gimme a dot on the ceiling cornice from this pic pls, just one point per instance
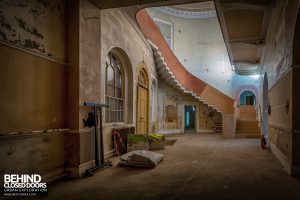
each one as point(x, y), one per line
point(187, 14)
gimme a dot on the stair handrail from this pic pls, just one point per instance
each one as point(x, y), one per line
point(258, 114)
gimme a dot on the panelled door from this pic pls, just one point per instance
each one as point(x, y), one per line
point(142, 103)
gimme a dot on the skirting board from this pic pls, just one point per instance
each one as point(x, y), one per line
point(80, 171)
point(53, 175)
point(281, 157)
point(292, 169)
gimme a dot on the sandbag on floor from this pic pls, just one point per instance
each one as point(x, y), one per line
point(141, 158)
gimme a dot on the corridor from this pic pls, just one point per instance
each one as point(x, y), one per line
point(79, 78)
point(196, 166)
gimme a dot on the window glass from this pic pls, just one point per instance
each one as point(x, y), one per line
point(114, 90)
point(166, 29)
point(110, 75)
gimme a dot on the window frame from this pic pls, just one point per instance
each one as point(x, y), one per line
point(155, 19)
point(108, 98)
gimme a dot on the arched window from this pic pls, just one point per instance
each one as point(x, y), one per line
point(114, 89)
point(247, 98)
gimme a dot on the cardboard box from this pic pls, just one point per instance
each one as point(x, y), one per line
point(157, 145)
point(137, 142)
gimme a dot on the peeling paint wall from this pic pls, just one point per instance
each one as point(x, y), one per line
point(205, 122)
point(277, 63)
point(211, 62)
point(32, 86)
point(171, 111)
point(199, 46)
point(119, 31)
point(101, 31)
point(277, 54)
point(37, 26)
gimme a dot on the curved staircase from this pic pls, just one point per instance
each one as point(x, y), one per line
point(165, 73)
point(175, 74)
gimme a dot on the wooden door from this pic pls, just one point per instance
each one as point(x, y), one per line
point(142, 104)
point(142, 110)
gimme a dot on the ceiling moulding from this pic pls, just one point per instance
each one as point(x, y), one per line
point(187, 14)
point(106, 4)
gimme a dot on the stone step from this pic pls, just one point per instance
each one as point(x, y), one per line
point(251, 132)
point(247, 125)
point(248, 136)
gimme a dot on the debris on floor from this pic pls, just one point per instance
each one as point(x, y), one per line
point(137, 142)
point(170, 141)
point(156, 141)
point(141, 158)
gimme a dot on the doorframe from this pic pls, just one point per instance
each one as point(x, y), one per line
point(187, 103)
point(142, 67)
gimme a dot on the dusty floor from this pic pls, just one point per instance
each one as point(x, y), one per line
point(197, 166)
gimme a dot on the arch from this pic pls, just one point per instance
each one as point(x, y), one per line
point(142, 100)
point(296, 43)
point(265, 107)
point(247, 97)
point(143, 78)
point(127, 81)
point(243, 88)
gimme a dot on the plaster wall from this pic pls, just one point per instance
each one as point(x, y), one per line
point(32, 88)
point(33, 154)
point(188, 80)
point(89, 73)
point(295, 113)
point(199, 46)
point(280, 119)
point(169, 98)
point(242, 83)
point(277, 54)
point(119, 31)
point(101, 31)
point(277, 62)
point(32, 92)
point(32, 60)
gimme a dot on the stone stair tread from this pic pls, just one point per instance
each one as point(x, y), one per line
point(253, 132)
point(247, 128)
point(247, 135)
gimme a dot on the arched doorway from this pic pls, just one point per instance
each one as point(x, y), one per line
point(142, 119)
point(265, 107)
point(247, 98)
